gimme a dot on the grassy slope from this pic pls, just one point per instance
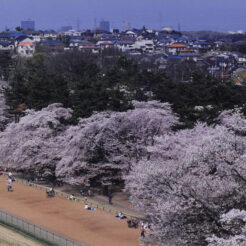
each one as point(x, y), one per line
point(9, 237)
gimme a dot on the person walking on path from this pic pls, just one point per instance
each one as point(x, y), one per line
point(110, 199)
point(142, 233)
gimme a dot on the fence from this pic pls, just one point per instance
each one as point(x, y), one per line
point(36, 231)
point(104, 207)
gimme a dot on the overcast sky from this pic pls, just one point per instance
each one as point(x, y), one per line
point(221, 15)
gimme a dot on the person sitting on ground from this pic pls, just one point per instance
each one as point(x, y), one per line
point(71, 197)
point(51, 192)
point(89, 208)
point(89, 192)
point(120, 215)
point(132, 223)
point(9, 186)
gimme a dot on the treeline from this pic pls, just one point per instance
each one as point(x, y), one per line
point(77, 81)
point(5, 63)
point(70, 78)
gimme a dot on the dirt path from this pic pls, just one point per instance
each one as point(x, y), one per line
point(11, 238)
point(67, 218)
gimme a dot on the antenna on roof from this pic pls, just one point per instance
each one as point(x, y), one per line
point(78, 24)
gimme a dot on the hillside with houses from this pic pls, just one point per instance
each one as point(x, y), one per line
point(220, 55)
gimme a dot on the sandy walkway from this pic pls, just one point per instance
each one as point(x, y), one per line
point(67, 218)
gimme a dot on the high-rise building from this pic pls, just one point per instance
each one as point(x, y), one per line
point(28, 25)
point(105, 25)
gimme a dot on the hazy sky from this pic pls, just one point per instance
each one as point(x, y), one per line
point(221, 15)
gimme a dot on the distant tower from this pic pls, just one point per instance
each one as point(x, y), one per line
point(28, 24)
point(78, 24)
point(105, 25)
point(160, 20)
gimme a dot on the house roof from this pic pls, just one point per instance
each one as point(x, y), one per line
point(26, 43)
point(189, 54)
point(105, 43)
point(174, 57)
point(17, 34)
point(5, 43)
point(187, 51)
point(90, 47)
point(201, 42)
point(125, 42)
point(177, 46)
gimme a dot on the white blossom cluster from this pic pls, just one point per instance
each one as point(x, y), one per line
point(237, 240)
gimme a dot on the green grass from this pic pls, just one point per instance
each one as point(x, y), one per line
point(25, 234)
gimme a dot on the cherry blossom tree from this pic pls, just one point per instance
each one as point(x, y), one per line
point(31, 144)
point(190, 179)
point(106, 145)
point(184, 181)
point(99, 150)
point(234, 120)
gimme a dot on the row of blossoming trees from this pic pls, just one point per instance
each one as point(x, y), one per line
point(190, 183)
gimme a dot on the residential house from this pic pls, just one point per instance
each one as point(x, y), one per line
point(176, 48)
point(26, 48)
point(90, 49)
point(125, 46)
point(192, 56)
point(50, 35)
point(6, 45)
point(240, 58)
point(146, 46)
point(105, 44)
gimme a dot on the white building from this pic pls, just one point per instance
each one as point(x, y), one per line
point(146, 46)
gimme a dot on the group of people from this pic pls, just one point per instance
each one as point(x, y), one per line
point(132, 223)
point(145, 227)
point(85, 192)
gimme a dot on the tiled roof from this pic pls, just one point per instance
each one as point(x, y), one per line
point(26, 43)
point(177, 46)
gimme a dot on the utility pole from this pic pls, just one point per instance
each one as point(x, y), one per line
point(95, 23)
point(179, 27)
